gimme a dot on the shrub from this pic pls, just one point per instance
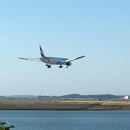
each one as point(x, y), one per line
point(5, 125)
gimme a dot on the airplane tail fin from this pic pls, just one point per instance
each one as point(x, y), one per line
point(41, 51)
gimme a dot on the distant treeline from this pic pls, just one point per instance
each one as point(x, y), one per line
point(2, 96)
point(101, 96)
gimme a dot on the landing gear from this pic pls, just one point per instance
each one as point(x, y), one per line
point(60, 66)
point(48, 66)
point(66, 66)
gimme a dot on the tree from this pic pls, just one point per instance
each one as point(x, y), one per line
point(5, 125)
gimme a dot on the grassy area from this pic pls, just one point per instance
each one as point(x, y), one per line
point(63, 104)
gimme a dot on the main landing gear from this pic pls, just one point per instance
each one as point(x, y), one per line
point(48, 66)
point(60, 66)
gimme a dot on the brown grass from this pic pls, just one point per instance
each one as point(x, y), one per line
point(63, 104)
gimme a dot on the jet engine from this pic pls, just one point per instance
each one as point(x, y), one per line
point(68, 63)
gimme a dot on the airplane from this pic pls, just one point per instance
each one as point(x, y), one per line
point(52, 60)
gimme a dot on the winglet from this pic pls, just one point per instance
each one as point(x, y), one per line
point(41, 51)
point(80, 57)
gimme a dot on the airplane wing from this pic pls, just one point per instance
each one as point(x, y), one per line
point(73, 59)
point(31, 59)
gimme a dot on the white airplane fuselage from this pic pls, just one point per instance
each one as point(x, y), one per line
point(54, 60)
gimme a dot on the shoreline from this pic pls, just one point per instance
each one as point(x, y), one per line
point(63, 104)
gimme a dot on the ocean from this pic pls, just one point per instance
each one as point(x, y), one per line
point(66, 120)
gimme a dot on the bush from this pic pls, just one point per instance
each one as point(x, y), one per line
point(5, 125)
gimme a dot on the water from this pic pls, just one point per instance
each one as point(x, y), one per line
point(67, 120)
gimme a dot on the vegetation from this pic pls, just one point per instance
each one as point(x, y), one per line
point(100, 96)
point(5, 125)
point(64, 104)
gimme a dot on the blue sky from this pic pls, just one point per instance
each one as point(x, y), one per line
point(65, 28)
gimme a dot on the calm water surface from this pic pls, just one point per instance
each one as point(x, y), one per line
point(67, 120)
